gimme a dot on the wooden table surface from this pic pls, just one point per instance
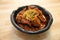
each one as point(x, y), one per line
point(9, 32)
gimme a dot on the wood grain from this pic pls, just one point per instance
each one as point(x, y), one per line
point(9, 32)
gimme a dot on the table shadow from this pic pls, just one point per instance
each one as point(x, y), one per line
point(24, 36)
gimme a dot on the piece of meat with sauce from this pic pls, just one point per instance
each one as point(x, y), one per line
point(41, 16)
point(18, 18)
point(22, 12)
point(36, 22)
point(25, 21)
point(22, 20)
point(31, 19)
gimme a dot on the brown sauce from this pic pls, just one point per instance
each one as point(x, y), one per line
point(31, 19)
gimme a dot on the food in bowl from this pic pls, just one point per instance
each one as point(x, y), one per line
point(31, 19)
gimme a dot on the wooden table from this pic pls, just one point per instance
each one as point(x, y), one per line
point(9, 32)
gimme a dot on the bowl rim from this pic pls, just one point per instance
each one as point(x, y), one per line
point(36, 32)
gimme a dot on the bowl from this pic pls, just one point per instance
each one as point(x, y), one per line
point(45, 12)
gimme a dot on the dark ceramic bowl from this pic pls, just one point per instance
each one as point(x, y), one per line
point(45, 12)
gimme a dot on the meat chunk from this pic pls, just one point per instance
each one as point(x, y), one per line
point(22, 12)
point(18, 18)
point(26, 27)
point(41, 16)
point(36, 22)
point(31, 19)
point(25, 21)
